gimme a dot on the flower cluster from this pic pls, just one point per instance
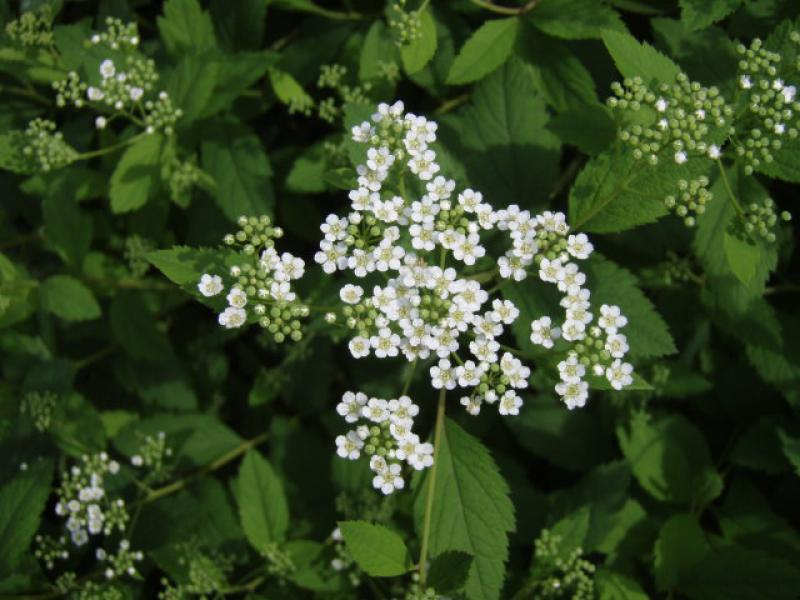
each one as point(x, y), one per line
point(333, 77)
point(261, 285)
point(206, 573)
point(773, 112)
point(384, 433)
point(680, 120)
point(40, 406)
point(84, 503)
point(152, 455)
point(408, 223)
point(124, 85)
point(760, 219)
point(405, 25)
point(691, 200)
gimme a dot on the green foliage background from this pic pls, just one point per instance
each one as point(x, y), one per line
point(684, 488)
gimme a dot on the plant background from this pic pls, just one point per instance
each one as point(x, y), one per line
point(686, 490)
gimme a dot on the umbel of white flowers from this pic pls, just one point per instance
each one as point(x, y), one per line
point(428, 306)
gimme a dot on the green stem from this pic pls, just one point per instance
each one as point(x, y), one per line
point(729, 189)
point(223, 460)
point(505, 10)
point(409, 377)
point(426, 527)
point(108, 149)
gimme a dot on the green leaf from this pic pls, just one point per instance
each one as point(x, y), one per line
point(263, 509)
point(185, 27)
point(698, 14)
point(68, 299)
point(22, 501)
point(610, 585)
point(647, 333)
point(66, 226)
point(501, 134)
point(240, 23)
point(670, 459)
point(615, 192)
point(234, 157)
point(448, 571)
point(635, 59)
point(135, 328)
point(307, 175)
point(379, 551)
point(743, 256)
point(472, 511)
point(484, 51)
point(575, 19)
point(420, 51)
point(589, 127)
point(681, 545)
point(137, 175)
point(791, 448)
point(288, 90)
point(378, 48)
point(736, 573)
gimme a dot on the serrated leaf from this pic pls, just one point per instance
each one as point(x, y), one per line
point(67, 227)
point(448, 571)
point(501, 134)
point(22, 501)
point(576, 19)
point(263, 509)
point(379, 551)
point(698, 14)
point(647, 333)
point(670, 459)
point(589, 127)
point(484, 51)
point(420, 51)
point(635, 59)
point(472, 511)
point(234, 157)
point(611, 585)
point(137, 175)
point(614, 192)
point(68, 299)
point(288, 90)
point(185, 26)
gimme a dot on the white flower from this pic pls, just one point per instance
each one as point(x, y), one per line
point(543, 333)
point(571, 370)
point(788, 93)
point(232, 317)
point(680, 157)
point(779, 128)
point(442, 375)
point(505, 311)
point(714, 152)
point(107, 69)
point(573, 394)
point(359, 347)
point(611, 318)
point(619, 374)
point(94, 94)
point(362, 133)
point(237, 298)
point(510, 403)
point(579, 246)
point(100, 123)
point(210, 285)
point(469, 374)
point(136, 93)
point(745, 83)
point(349, 446)
point(389, 480)
point(616, 345)
point(472, 404)
point(661, 105)
point(376, 410)
point(351, 294)
point(386, 343)
point(351, 405)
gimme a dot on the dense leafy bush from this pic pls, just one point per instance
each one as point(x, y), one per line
point(529, 332)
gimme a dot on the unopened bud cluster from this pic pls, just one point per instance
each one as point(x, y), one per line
point(678, 120)
point(692, 198)
point(206, 574)
point(559, 575)
point(261, 286)
point(761, 220)
point(40, 407)
point(152, 455)
point(772, 109)
point(333, 77)
point(279, 563)
point(405, 25)
point(125, 86)
point(43, 147)
point(33, 28)
point(384, 433)
point(184, 176)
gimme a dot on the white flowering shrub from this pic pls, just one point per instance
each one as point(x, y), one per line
point(413, 299)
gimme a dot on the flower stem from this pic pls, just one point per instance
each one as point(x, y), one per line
point(505, 10)
point(108, 149)
point(728, 189)
point(426, 527)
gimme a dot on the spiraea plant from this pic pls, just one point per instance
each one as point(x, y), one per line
point(406, 300)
